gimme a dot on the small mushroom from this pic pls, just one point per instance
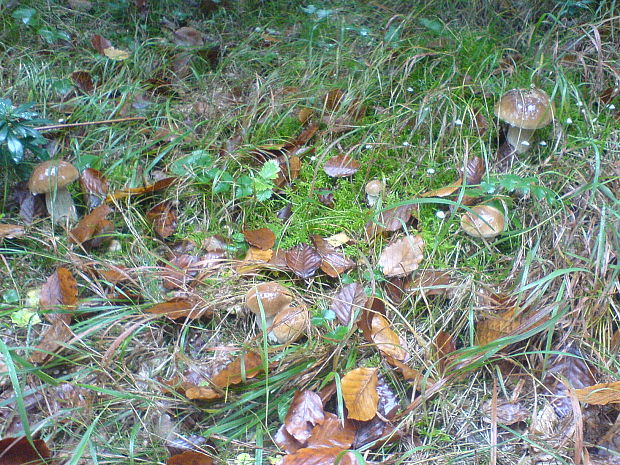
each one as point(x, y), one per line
point(290, 324)
point(271, 296)
point(525, 110)
point(483, 221)
point(52, 178)
point(374, 190)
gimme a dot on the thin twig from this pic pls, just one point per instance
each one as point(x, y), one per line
point(89, 123)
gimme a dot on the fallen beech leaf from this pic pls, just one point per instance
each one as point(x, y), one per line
point(444, 191)
point(326, 199)
point(332, 99)
point(305, 114)
point(83, 81)
point(349, 300)
point(331, 433)
point(474, 171)
point(101, 236)
point(242, 367)
point(99, 43)
point(444, 346)
point(11, 231)
point(60, 290)
point(202, 393)
point(429, 282)
point(480, 123)
point(180, 307)
point(94, 187)
point(187, 36)
point(190, 457)
point(305, 412)
point(403, 256)
point(359, 390)
point(571, 367)
point(410, 375)
point(373, 306)
point(341, 166)
point(89, 225)
point(180, 271)
point(156, 186)
point(31, 205)
point(116, 54)
point(53, 339)
point(303, 260)
point(19, 451)
point(286, 441)
point(508, 413)
point(338, 239)
point(497, 326)
point(319, 456)
point(254, 259)
point(263, 238)
point(163, 218)
point(333, 262)
point(289, 170)
point(600, 394)
point(386, 340)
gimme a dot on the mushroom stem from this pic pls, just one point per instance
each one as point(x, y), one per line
point(60, 205)
point(519, 138)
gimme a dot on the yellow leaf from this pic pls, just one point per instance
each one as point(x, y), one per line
point(115, 54)
point(359, 389)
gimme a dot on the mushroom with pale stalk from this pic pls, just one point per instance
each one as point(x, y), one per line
point(374, 190)
point(483, 221)
point(270, 297)
point(525, 110)
point(52, 178)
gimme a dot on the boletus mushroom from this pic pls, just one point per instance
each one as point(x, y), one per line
point(525, 110)
point(271, 296)
point(483, 221)
point(374, 190)
point(52, 178)
point(290, 324)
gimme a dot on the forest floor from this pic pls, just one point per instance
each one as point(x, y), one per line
point(229, 144)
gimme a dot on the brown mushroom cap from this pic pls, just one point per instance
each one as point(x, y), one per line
point(525, 108)
point(374, 187)
point(483, 221)
point(290, 324)
point(273, 298)
point(51, 175)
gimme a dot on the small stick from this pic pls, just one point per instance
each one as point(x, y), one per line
point(89, 123)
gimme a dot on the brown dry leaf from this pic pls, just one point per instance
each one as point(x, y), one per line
point(180, 271)
point(242, 367)
point(341, 166)
point(31, 205)
point(303, 137)
point(349, 300)
point(331, 433)
point(187, 37)
point(474, 171)
point(319, 456)
point(11, 231)
point(444, 191)
point(202, 393)
point(60, 290)
point(444, 346)
point(402, 256)
point(333, 262)
point(305, 114)
point(305, 412)
point(333, 99)
point(600, 394)
point(190, 457)
point(99, 43)
point(94, 187)
point(286, 441)
point(497, 326)
point(19, 451)
point(410, 375)
point(156, 186)
point(263, 238)
point(90, 225)
point(570, 365)
point(101, 236)
point(53, 338)
point(116, 54)
point(386, 340)
point(289, 170)
point(359, 390)
point(480, 123)
point(430, 282)
point(303, 260)
point(83, 81)
point(179, 307)
point(254, 259)
point(508, 413)
point(163, 218)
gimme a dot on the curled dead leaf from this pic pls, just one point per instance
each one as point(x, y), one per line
point(386, 340)
point(402, 256)
point(303, 260)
